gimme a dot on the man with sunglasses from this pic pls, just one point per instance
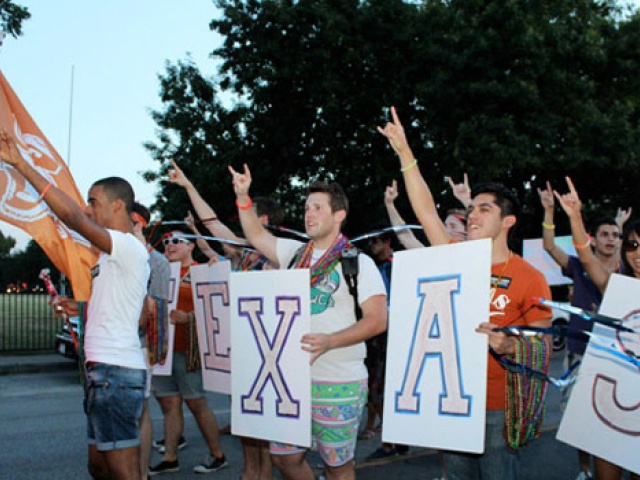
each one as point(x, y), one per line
point(185, 381)
point(605, 236)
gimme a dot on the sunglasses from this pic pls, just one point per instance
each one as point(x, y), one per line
point(630, 245)
point(174, 240)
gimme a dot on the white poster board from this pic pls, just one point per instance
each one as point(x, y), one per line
point(603, 413)
point(210, 286)
point(271, 381)
point(534, 253)
point(436, 377)
point(174, 283)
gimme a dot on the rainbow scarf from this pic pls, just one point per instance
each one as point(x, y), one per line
point(325, 264)
point(525, 394)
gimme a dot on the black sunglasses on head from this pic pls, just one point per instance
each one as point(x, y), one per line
point(630, 245)
point(174, 240)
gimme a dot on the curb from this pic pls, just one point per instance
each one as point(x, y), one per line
point(35, 364)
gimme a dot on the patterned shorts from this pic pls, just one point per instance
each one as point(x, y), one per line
point(336, 410)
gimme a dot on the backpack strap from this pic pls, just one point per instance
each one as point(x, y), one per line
point(350, 269)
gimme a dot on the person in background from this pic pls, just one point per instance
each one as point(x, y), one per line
point(157, 296)
point(599, 273)
point(185, 381)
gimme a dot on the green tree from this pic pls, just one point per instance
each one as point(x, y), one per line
point(6, 244)
point(12, 15)
point(508, 90)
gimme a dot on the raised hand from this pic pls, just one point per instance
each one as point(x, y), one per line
point(461, 191)
point(622, 216)
point(570, 202)
point(177, 176)
point(394, 131)
point(241, 181)
point(9, 152)
point(546, 197)
point(391, 193)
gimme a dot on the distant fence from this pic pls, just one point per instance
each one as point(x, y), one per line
point(27, 323)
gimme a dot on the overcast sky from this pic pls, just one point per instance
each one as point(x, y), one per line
point(116, 49)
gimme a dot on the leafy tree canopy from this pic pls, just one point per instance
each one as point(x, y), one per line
point(12, 16)
point(510, 90)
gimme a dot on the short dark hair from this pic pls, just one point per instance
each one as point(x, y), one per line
point(270, 207)
point(118, 188)
point(337, 198)
point(505, 198)
point(142, 211)
point(595, 225)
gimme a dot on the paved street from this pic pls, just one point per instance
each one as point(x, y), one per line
point(42, 436)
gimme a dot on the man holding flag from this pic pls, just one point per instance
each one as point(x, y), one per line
point(115, 368)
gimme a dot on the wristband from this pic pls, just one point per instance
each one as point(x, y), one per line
point(410, 166)
point(582, 247)
point(45, 190)
point(246, 206)
point(548, 226)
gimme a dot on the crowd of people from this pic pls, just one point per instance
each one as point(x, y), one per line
point(347, 341)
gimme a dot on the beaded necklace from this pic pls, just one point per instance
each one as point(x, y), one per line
point(325, 264)
point(525, 406)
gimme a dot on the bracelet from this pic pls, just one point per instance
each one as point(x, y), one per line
point(246, 206)
point(582, 247)
point(45, 190)
point(548, 226)
point(210, 219)
point(410, 166)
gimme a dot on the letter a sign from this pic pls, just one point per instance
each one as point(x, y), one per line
point(271, 380)
point(436, 377)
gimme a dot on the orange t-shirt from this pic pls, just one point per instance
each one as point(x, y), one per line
point(511, 304)
point(185, 303)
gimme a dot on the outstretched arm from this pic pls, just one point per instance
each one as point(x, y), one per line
point(548, 228)
point(202, 208)
point(204, 247)
point(572, 205)
point(406, 237)
point(419, 194)
point(256, 234)
point(60, 203)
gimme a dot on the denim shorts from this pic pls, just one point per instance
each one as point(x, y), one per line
point(188, 385)
point(113, 403)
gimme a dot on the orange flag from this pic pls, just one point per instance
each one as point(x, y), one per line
point(20, 204)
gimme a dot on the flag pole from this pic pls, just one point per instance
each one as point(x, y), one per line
point(63, 288)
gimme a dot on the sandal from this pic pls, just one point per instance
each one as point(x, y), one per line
point(367, 434)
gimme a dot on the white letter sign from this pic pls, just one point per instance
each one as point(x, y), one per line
point(437, 374)
point(271, 381)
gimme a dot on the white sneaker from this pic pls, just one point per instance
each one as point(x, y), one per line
point(584, 475)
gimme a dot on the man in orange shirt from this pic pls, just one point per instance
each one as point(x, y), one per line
point(185, 381)
point(492, 213)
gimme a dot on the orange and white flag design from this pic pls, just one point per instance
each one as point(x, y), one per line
point(20, 203)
